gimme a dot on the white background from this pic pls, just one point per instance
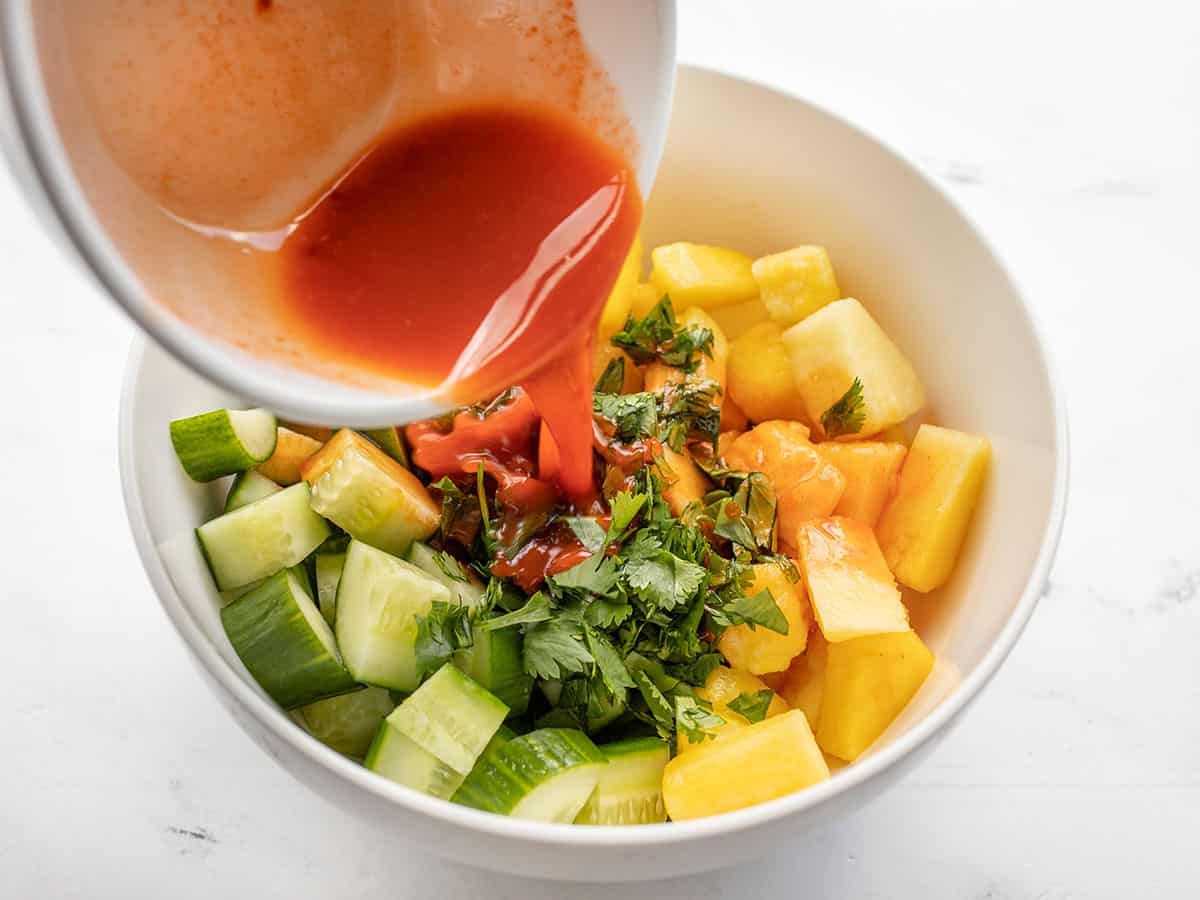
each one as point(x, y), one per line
point(1071, 131)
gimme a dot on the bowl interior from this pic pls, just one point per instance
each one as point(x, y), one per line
point(757, 170)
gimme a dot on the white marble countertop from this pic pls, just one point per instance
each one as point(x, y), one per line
point(1071, 131)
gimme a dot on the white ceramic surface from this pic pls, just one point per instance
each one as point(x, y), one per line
point(796, 174)
point(106, 219)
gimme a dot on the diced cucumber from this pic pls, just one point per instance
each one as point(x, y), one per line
point(451, 720)
point(328, 568)
point(391, 442)
point(232, 594)
point(503, 735)
point(463, 585)
point(629, 789)
point(370, 495)
point(546, 776)
point(224, 441)
point(378, 600)
point(261, 538)
point(281, 638)
point(601, 711)
point(247, 487)
point(348, 722)
point(494, 659)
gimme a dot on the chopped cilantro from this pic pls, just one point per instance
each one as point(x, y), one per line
point(624, 508)
point(663, 580)
point(693, 719)
point(659, 337)
point(634, 416)
point(449, 566)
point(554, 648)
point(589, 532)
point(688, 410)
point(612, 670)
point(612, 379)
point(595, 575)
point(536, 609)
point(847, 415)
point(759, 609)
point(446, 629)
point(752, 706)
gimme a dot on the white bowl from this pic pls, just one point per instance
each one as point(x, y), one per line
point(759, 170)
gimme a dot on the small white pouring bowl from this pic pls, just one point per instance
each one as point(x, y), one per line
point(794, 174)
point(110, 222)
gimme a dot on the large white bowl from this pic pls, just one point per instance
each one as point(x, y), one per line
point(759, 170)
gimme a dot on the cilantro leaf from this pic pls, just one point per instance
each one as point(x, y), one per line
point(456, 507)
point(759, 609)
point(589, 532)
point(596, 575)
point(612, 671)
point(659, 337)
point(663, 579)
point(752, 706)
point(612, 379)
point(624, 508)
point(554, 649)
point(847, 415)
point(689, 410)
point(446, 629)
point(633, 415)
point(694, 721)
point(606, 613)
point(502, 594)
point(661, 712)
point(697, 671)
point(449, 566)
point(536, 609)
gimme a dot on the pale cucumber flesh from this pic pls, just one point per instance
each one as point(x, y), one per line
point(397, 757)
point(495, 660)
point(347, 723)
point(629, 789)
point(247, 487)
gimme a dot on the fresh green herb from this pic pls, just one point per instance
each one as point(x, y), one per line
point(759, 609)
point(449, 566)
point(696, 671)
point(661, 713)
point(612, 379)
point(454, 502)
point(489, 542)
point(555, 648)
point(501, 594)
point(847, 415)
point(536, 609)
point(589, 532)
point(659, 337)
point(753, 707)
point(688, 410)
point(606, 612)
point(624, 508)
point(634, 416)
point(595, 575)
point(693, 719)
point(446, 629)
point(612, 670)
point(663, 580)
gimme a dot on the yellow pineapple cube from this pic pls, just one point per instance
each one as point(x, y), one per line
point(868, 681)
point(803, 684)
point(733, 419)
point(806, 487)
point(871, 468)
point(699, 275)
point(922, 529)
point(760, 650)
point(292, 449)
point(851, 589)
point(738, 318)
point(760, 375)
point(796, 283)
point(760, 762)
point(840, 343)
point(712, 367)
point(722, 686)
point(620, 298)
point(683, 480)
point(319, 433)
point(645, 295)
point(606, 353)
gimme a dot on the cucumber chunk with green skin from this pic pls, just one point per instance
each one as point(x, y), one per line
point(261, 538)
point(391, 442)
point(502, 736)
point(462, 584)
point(247, 487)
point(348, 722)
point(328, 568)
point(232, 594)
point(278, 633)
point(434, 738)
point(223, 442)
point(378, 600)
point(496, 661)
point(629, 789)
point(544, 776)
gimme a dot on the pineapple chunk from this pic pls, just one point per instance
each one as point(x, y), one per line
point(319, 433)
point(761, 762)
point(698, 275)
point(370, 495)
point(713, 367)
point(620, 298)
point(291, 451)
point(870, 468)
point(738, 318)
point(645, 295)
point(761, 650)
point(760, 375)
point(853, 594)
point(606, 353)
point(806, 487)
point(922, 529)
point(733, 419)
point(842, 342)
point(723, 685)
point(683, 480)
point(796, 283)
point(868, 681)
point(803, 683)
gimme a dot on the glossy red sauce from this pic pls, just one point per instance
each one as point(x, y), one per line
point(475, 248)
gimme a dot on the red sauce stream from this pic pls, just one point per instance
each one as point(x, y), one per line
point(475, 248)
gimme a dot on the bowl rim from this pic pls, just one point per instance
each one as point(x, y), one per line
point(271, 717)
